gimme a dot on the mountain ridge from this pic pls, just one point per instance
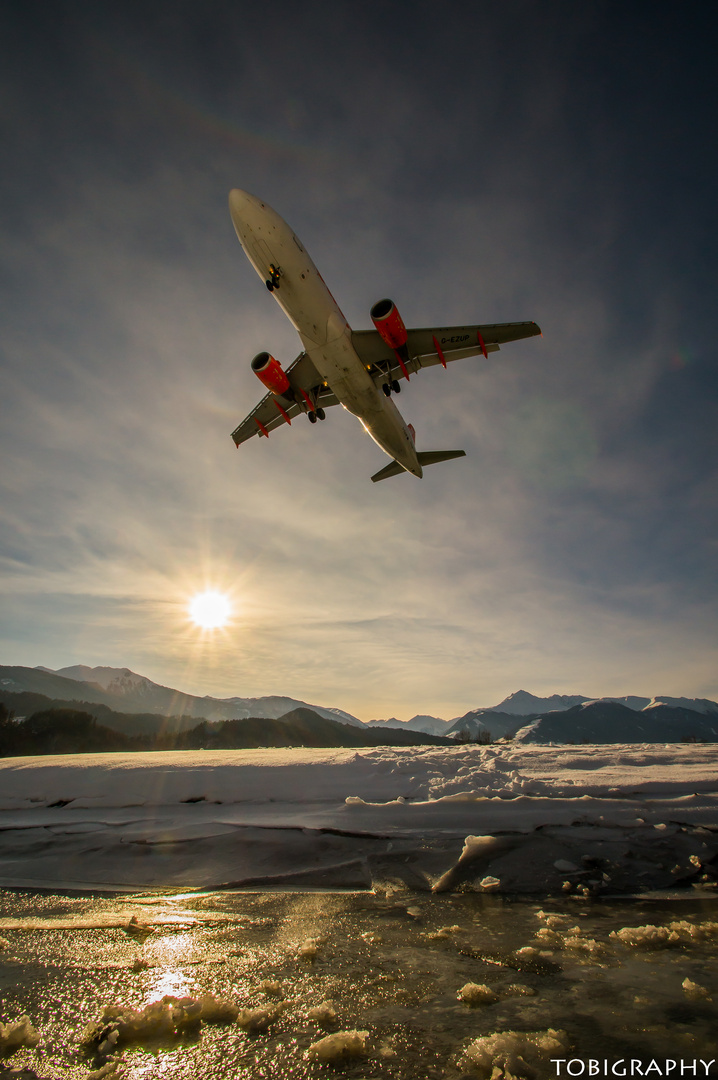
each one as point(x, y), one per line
point(129, 692)
point(123, 690)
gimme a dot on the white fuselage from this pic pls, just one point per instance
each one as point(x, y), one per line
point(325, 334)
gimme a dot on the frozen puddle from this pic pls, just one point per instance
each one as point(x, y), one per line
point(386, 984)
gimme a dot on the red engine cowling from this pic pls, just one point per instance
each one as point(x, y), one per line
point(389, 323)
point(270, 372)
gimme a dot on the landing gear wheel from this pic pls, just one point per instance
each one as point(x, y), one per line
point(269, 285)
point(274, 275)
point(396, 386)
point(312, 417)
point(321, 415)
point(386, 388)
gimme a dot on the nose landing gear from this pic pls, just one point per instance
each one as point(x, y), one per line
point(272, 281)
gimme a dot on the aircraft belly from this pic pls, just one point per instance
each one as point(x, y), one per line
point(341, 368)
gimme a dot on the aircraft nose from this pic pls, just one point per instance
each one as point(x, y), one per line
point(242, 205)
point(237, 204)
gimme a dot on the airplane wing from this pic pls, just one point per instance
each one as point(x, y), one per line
point(273, 411)
point(426, 347)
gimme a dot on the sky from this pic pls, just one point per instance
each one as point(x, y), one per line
point(475, 162)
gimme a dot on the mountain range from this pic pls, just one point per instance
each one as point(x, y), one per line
point(557, 718)
point(120, 688)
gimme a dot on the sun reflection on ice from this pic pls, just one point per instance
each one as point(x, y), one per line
point(166, 976)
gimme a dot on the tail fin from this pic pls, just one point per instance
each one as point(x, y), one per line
point(426, 457)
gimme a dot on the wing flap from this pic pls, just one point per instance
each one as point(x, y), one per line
point(455, 342)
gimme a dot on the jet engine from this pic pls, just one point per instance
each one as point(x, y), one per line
point(271, 373)
point(389, 323)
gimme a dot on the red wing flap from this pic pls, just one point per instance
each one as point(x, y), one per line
point(455, 342)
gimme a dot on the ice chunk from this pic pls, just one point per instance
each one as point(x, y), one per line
point(552, 919)
point(340, 1046)
point(165, 1019)
point(693, 931)
point(324, 1013)
point(549, 937)
point(310, 948)
point(17, 1033)
point(565, 866)
point(646, 937)
point(139, 964)
point(477, 994)
point(583, 944)
point(518, 990)
point(258, 1019)
point(272, 988)
point(490, 884)
point(512, 1054)
point(4, 944)
point(443, 932)
point(694, 990)
point(113, 1070)
point(216, 1010)
point(138, 930)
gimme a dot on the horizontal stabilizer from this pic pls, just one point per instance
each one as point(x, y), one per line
point(426, 457)
point(430, 457)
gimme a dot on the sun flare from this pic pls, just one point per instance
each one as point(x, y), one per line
point(210, 610)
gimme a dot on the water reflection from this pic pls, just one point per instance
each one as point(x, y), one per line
point(392, 965)
point(170, 953)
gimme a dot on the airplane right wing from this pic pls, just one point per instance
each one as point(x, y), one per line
point(273, 411)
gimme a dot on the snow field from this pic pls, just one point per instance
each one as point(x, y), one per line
point(331, 818)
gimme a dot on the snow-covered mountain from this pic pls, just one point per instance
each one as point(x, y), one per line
point(485, 722)
point(701, 705)
point(557, 718)
point(610, 722)
point(126, 691)
point(430, 725)
point(521, 703)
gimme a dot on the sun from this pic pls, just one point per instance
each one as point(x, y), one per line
point(210, 610)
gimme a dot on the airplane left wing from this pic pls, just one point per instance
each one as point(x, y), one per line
point(427, 347)
point(307, 391)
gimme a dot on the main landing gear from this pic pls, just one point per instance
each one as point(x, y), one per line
point(316, 414)
point(272, 281)
point(394, 385)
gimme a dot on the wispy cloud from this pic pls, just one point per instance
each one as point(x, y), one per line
point(570, 550)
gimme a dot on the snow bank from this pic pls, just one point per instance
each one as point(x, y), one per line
point(301, 817)
point(364, 777)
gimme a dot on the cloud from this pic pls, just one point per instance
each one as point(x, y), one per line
point(570, 550)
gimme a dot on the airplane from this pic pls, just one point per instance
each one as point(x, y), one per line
point(359, 369)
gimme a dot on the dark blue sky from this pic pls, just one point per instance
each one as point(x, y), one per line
point(474, 161)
